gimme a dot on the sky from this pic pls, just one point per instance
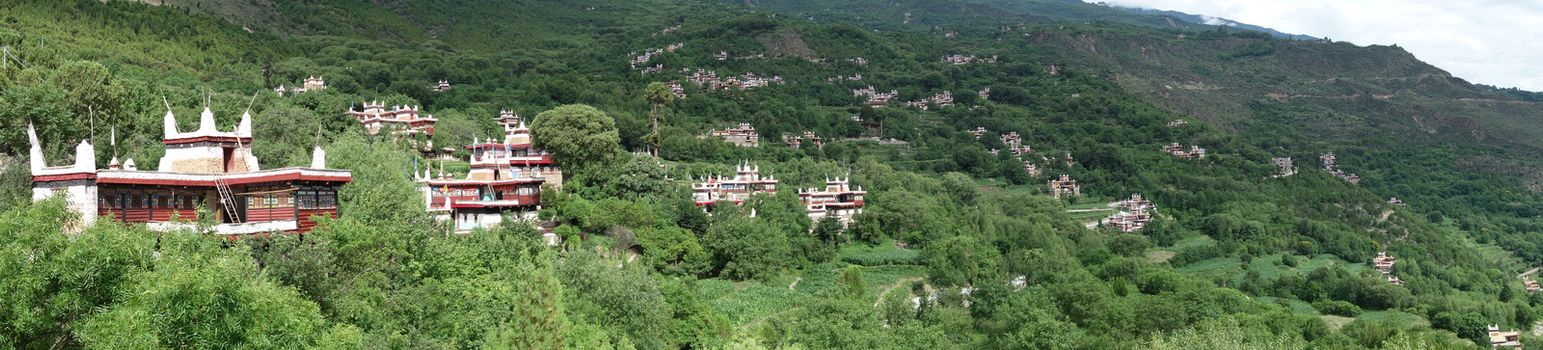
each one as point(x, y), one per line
point(1494, 42)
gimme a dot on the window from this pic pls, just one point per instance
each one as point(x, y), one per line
point(307, 199)
point(326, 199)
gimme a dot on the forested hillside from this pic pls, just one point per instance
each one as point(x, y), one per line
point(958, 246)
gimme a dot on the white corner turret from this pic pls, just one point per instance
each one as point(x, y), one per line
point(318, 158)
point(85, 157)
point(170, 122)
point(244, 129)
point(38, 163)
point(206, 121)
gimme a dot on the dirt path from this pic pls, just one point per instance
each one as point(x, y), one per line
point(892, 287)
point(758, 321)
point(795, 283)
point(1529, 272)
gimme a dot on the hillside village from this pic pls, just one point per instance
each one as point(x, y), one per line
point(774, 175)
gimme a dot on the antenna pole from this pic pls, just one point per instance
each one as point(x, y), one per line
point(91, 113)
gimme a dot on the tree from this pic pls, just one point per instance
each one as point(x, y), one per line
point(198, 294)
point(658, 94)
point(577, 135)
point(1468, 325)
point(850, 283)
point(673, 250)
point(89, 86)
point(625, 299)
point(743, 247)
point(1029, 320)
point(962, 261)
point(539, 322)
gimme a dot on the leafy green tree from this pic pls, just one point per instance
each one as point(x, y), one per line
point(199, 295)
point(577, 135)
point(89, 86)
point(962, 261)
point(850, 283)
point(673, 250)
point(1030, 320)
point(743, 247)
point(1467, 325)
point(658, 94)
point(381, 190)
point(1225, 333)
point(538, 322)
point(626, 300)
point(50, 281)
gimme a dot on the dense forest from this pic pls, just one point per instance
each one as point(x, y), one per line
point(958, 246)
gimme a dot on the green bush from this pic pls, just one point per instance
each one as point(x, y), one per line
point(1337, 307)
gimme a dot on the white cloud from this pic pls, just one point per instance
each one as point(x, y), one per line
point(1492, 42)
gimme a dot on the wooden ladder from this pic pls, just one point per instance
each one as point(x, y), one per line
point(227, 200)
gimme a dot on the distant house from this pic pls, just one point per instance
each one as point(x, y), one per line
point(308, 85)
point(1064, 187)
point(398, 120)
point(746, 181)
point(505, 179)
point(1177, 150)
point(744, 135)
point(1503, 339)
point(837, 199)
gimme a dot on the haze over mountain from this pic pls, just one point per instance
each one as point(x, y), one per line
point(1485, 43)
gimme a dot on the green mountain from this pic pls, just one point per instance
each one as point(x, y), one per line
point(957, 246)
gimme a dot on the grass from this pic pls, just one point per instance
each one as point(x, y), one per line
point(1267, 266)
point(1394, 317)
point(1192, 241)
point(1090, 215)
point(1159, 256)
point(884, 253)
point(745, 302)
point(1406, 319)
point(1336, 322)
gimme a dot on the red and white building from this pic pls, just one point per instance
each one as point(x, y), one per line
point(399, 120)
point(1133, 214)
point(747, 181)
point(838, 199)
point(308, 85)
point(1285, 166)
point(506, 177)
point(743, 136)
point(1064, 187)
point(808, 136)
point(1191, 152)
point(1384, 264)
point(1504, 339)
point(205, 167)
